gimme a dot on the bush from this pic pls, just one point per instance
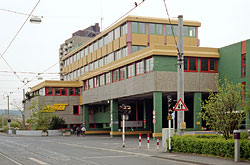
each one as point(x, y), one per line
point(56, 122)
point(209, 145)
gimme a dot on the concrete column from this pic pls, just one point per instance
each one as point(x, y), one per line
point(197, 111)
point(157, 102)
point(113, 117)
point(86, 116)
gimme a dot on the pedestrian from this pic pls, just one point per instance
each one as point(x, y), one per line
point(74, 129)
point(83, 129)
point(78, 131)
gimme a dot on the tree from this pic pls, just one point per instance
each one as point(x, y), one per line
point(39, 120)
point(56, 122)
point(223, 111)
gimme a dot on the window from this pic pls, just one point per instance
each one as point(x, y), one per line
point(209, 65)
point(110, 58)
point(124, 29)
point(243, 92)
point(100, 42)
point(139, 68)
point(49, 91)
point(102, 79)
point(125, 52)
point(192, 32)
point(95, 45)
point(96, 64)
point(138, 27)
point(131, 70)
point(110, 36)
point(96, 81)
point(115, 75)
point(91, 66)
point(86, 51)
point(135, 48)
point(149, 64)
point(118, 55)
point(91, 48)
point(82, 53)
point(74, 91)
point(85, 85)
point(190, 64)
point(159, 29)
point(76, 110)
point(123, 73)
point(243, 65)
point(107, 78)
point(170, 29)
point(86, 68)
point(117, 32)
point(61, 91)
point(91, 84)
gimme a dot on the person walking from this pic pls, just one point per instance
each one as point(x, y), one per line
point(83, 129)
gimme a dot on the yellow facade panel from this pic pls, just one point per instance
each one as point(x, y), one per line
point(110, 47)
point(99, 53)
point(93, 56)
point(188, 41)
point(123, 41)
point(139, 39)
point(171, 40)
point(104, 50)
point(70, 68)
point(156, 39)
point(116, 44)
point(89, 58)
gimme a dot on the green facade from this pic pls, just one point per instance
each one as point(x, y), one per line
point(165, 63)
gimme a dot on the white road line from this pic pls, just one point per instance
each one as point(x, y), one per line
point(102, 157)
point(105, 149)
point(38, 161)
point(10, 159)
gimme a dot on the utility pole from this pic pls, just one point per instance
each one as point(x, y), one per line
point(180, 76)
point(23, 108)
point(8, 100)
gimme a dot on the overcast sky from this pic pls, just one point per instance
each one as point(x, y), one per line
point(35, 49)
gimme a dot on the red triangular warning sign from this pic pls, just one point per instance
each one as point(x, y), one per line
point(180, 106)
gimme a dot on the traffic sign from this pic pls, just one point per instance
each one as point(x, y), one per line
point(180, 106)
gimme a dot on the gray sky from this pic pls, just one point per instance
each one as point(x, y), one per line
point(35, 49)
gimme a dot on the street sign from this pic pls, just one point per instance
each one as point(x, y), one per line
point(180, 106)
point(169, 117)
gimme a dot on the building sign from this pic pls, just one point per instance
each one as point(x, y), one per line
point(54, 108)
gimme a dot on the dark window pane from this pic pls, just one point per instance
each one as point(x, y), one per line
point(185, 63)
point(77, 91)
point(76, 110)
point(192, 64)
point(212, 64)
point(71, 91)
point(204, 64)
point(57, 91)
point(64, 92)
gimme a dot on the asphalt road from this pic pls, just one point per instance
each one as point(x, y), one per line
point(91, 150)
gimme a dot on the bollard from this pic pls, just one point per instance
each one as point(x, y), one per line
point(147, 141)
point(139, 140)
point(157, 145)
point(236, 145)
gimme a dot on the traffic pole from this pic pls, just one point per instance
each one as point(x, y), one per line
point(157, 144)
point(139, 140)
point(123, 131)
point(147, 141)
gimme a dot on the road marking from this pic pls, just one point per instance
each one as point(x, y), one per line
point(101, 157)
point(38, 161)
point(105, 149)
point(10, 159)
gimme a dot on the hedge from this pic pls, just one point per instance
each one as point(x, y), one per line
point(209, 145)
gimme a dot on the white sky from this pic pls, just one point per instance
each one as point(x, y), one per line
point(223, 22)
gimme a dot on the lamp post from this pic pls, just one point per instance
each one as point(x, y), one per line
point(9, 120)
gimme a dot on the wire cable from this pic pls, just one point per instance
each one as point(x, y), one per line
point(1, 57)
point(171, 26)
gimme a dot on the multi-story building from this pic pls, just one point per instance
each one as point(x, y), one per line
point(134, 62)
point(78, 38)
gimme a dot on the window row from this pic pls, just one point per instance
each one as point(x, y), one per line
point(128, 71)
point(206, 64)
point(62, 91)
point(157, 29)
point(114, 34)
point(98, 63)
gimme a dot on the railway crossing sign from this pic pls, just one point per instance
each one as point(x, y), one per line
point(180, 106)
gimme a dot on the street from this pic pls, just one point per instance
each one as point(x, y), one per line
point(91, 150)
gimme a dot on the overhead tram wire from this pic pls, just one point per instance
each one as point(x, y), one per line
point(1, 56)
point(16, 12)
point(171, 26)
point(105, 29)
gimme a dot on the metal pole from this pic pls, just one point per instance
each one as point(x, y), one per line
point(8, 100)
point(123, 130)
point(169, 135)
point(24, 109)
point(180, 75)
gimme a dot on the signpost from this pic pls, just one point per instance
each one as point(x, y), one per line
point(124, 110)
point(180, 106)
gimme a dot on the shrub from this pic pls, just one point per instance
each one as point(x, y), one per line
point(209, 145)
